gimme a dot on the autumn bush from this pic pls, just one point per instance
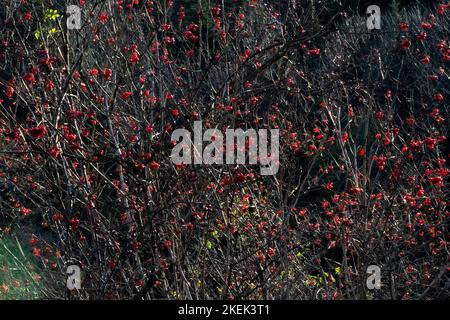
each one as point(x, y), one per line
point(86, 118)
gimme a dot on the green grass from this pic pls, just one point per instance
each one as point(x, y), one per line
point(19, 276)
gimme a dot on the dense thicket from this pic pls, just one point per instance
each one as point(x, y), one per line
point(86, 118)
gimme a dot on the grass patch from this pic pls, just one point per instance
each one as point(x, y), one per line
point(19, 277)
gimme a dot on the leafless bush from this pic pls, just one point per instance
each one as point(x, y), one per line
point(86, 122)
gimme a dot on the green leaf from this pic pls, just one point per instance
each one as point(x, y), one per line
point(52, 31)
point(337, 270)
point(51, 14)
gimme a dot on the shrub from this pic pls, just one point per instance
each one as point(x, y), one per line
point(85, 141)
